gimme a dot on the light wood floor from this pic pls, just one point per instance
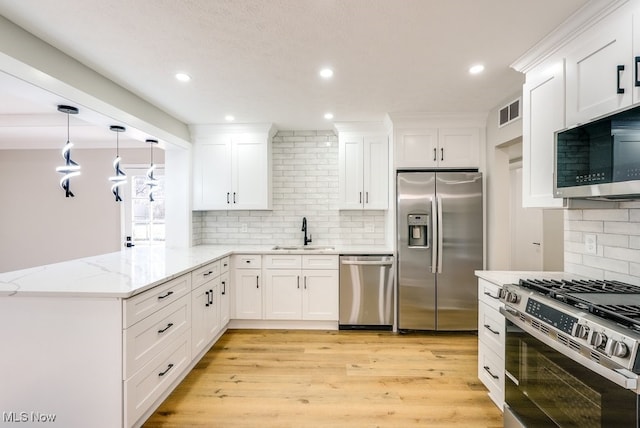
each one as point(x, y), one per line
point(283, 378)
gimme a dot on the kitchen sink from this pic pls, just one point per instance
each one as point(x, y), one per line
point(303, 247)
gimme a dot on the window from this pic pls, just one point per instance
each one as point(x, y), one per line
point(146, 219)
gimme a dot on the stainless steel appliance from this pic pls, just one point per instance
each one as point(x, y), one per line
point(366, 292)
point(600, 159)
point(440, 245)
point(572, 354)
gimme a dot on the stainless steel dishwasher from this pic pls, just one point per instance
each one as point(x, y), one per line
point(366, 293)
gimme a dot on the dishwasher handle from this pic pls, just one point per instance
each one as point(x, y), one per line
point(366, 263)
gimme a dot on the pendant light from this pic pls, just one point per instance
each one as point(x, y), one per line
point(151, 181)
point(70, 168)
point(120, 178)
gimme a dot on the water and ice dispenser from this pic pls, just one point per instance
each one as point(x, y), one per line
point(418, 230)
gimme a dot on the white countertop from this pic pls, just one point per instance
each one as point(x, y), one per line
point(133, 270)
point(502, 277)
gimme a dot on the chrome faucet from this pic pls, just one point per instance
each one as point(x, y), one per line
point(304, 229)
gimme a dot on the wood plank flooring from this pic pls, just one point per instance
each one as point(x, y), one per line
point(285, 378)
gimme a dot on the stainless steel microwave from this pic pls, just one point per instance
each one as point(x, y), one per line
point(600, 159)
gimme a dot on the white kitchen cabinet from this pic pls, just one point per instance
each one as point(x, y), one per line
point(225, 293)
point(205, 306)
point(157, 344)
point(296, 293)
point(437, 148)
point(601, 69)
point(320, 291)
point(363, 171)
point(491, 340)
point(232, 168)
point(543, 114)
point(247, 287)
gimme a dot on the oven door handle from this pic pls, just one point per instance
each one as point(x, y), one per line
point(621, 377)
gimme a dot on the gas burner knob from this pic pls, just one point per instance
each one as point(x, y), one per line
point(617, 349)
point(580, 331)
point(512, 297)
point(597, 339)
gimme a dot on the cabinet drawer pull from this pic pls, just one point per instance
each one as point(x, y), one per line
point(305, 282)
point(169, 293)
point(360, 197)
point(257, 283)
point(208, 273)
point(488, 327)
point(234, 197)
point(441, 153)
point(208, 298)
point(169, 367)
point(637, 61)
point(488, 370)
point(166, 328)
point(224, 288)
point(435, 154)
point(211, 297)
point(486, 293)
point(227, 197)
point(298, 281)
point(620, 69)
point(366, 199)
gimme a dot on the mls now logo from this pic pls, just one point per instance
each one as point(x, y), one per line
point(28, 417)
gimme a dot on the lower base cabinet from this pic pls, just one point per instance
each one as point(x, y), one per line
point(293, 292)
point(491, 340)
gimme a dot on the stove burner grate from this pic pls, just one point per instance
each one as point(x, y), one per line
point(579, 294)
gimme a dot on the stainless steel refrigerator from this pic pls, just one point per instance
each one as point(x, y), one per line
point(440, 245)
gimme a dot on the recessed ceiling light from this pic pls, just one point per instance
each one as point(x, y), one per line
point(326, 73)
point(328, 116)
point(229, 118)
point(183, 77)
point(476, 69)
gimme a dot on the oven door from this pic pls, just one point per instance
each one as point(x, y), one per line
point(544, 388)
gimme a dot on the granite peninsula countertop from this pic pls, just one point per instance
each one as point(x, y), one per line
point(131, 271)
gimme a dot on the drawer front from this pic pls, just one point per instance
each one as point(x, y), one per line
point(204, 274)
point(491, 328)
point(491, 373)
point(320, 261)
point(144, 340)
point(253, 261)
point(283, 261)
point(489, 293)
point(224, 264)
point(148, 384)
point(144, 304)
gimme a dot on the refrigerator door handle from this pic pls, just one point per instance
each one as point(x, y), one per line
point(434, 236)
point(440, 234)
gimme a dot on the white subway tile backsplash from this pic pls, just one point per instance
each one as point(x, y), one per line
point(305, 184)
point(618, 243)
point(606, 215)
point(585, 226)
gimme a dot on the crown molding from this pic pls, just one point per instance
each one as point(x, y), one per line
point(583, 19)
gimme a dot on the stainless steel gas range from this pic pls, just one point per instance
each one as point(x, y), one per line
point(572, 353)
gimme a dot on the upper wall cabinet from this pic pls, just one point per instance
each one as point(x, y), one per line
point(363, 172)
point(437, 148)
point(363, 169)
point(232, 167)
point(601, 70)
point(543, 114)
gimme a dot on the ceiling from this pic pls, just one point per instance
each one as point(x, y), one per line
point(259, 60)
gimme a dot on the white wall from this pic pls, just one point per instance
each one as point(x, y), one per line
point(38, 225)
point(305, 184)
point(618, 242)
point(497, 184)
